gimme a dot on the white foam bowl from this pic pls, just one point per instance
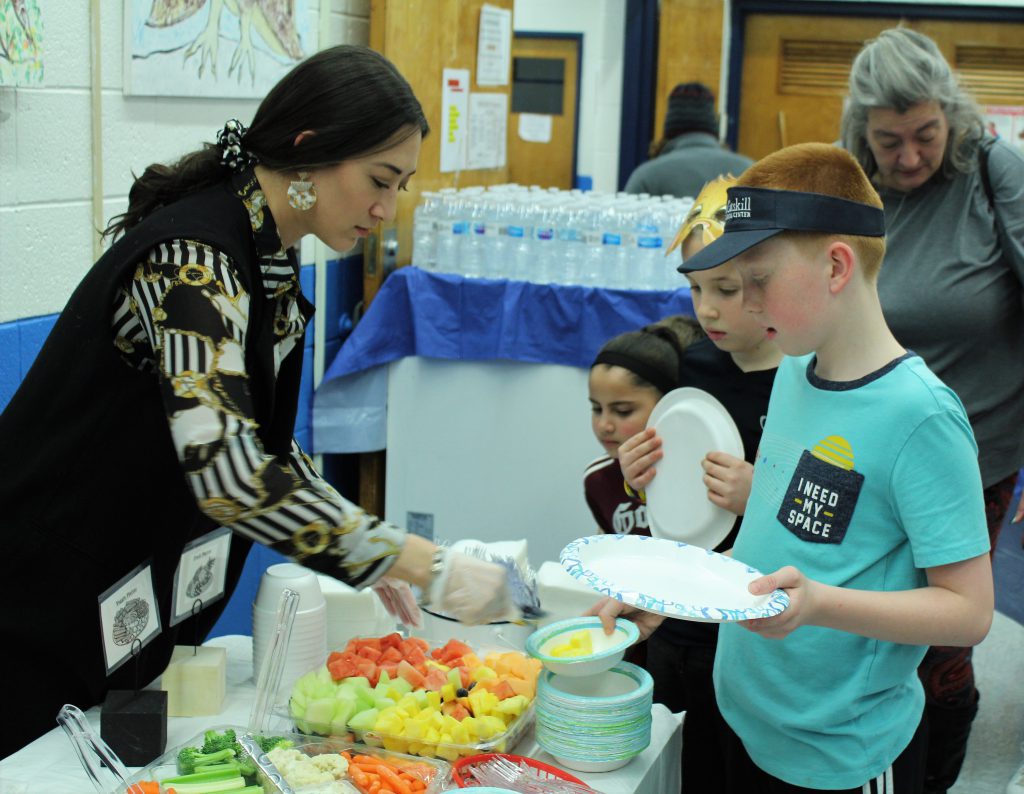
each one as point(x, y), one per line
point(608, 649)
point(288, 575)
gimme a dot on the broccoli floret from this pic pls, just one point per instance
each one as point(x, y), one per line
point(213, 741)
point(190, 758)
point(268, 743)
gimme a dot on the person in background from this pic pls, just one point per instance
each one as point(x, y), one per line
point(630, 373)
point(688, 154)
point(162, 405)
point(865, 507)
point(952, 290)
point(736, 364)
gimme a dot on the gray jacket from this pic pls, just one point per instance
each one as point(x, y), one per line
point(685, 165)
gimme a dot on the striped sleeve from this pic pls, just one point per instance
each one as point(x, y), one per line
point(190, 310)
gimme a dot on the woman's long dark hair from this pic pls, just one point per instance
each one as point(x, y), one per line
point(353, 99)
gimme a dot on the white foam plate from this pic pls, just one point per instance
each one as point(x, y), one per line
point(691, 423)
point(670, 578)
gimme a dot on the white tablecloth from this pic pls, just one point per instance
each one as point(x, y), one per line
point(49, 765)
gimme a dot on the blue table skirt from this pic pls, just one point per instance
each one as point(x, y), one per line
point(444, 316)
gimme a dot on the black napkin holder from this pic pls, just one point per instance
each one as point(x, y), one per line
point(134, 724)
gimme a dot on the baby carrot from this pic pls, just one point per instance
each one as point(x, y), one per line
point(359, 777)
point(397, 785)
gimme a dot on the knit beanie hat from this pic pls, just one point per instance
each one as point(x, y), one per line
point(691, 108)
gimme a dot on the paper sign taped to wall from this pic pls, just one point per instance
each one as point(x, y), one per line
point(494, 46)
point(535, 127)
point(454, 118)
point(488, 129)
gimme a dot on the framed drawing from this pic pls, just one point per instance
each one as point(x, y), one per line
point(212, 48)
point(21, 43)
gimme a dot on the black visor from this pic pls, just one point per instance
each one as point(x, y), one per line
point(755, 214)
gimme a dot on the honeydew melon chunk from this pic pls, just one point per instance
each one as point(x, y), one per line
point(420, 695)
point(401, 686)
point(343, 712)
point(455, 678)
point(363, 696)
point(320, 713)
point(364, 720)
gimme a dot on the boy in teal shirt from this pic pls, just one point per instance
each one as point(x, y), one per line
point(866, 503)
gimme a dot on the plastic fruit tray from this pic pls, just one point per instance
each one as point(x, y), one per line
point(500, 743)
point(505, 741)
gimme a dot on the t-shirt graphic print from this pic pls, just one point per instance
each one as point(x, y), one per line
point(822, 494)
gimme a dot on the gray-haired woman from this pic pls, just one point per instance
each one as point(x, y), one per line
point(951, 289)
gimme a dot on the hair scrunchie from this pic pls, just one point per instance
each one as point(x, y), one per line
point(229, 141)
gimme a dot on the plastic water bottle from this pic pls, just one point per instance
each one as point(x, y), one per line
point(520, 238)
point(648, 254)
point(544, 240)
point(611, 242)
point(472, 240)
point(569, 251)
point(592, 270)
point(450, 230)
point(494, 241)
point(424, 232)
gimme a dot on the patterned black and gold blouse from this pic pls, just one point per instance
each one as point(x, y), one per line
point(184, 315)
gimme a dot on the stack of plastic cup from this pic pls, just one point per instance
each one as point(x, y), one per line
point(307, 648)
point(353, 613)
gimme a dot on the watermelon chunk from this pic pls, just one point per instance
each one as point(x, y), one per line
point(411, 674)
point(369, 652)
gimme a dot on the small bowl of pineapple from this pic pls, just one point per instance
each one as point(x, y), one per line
point(579, 646)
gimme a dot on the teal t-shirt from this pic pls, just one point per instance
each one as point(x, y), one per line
point(864, 485)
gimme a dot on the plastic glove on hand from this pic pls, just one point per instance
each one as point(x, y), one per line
point(472, 591)
point(399, 601)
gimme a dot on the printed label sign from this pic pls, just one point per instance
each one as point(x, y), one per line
point(199, 580)
point(129, 617)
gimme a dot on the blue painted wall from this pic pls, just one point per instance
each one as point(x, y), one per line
point(21, 340)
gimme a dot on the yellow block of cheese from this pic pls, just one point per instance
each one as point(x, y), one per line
point(195, 681)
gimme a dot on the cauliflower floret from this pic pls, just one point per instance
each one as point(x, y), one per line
point(331, 762)
point(301, 770)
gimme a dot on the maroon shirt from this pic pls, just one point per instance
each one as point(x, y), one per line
point(615, 511)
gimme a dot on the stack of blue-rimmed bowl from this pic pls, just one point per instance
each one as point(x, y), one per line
point(595, 723)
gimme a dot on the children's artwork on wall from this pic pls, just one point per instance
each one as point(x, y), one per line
point(21, 42)
point(212, 48)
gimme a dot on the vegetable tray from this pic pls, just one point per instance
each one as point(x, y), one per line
point(435, 774)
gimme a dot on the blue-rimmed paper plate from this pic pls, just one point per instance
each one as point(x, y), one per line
point(670, 578)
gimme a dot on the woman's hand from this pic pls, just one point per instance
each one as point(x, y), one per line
point(801, 607)
point(727, 479)
point(608, 609)
point(399, 601)
point(637, 457)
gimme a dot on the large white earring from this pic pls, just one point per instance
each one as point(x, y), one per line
point(301, 192)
